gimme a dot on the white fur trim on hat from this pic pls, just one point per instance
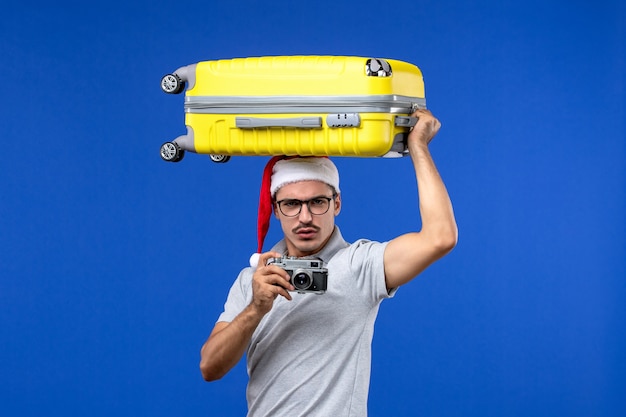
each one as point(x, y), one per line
point(288, 171)
point(254, 260)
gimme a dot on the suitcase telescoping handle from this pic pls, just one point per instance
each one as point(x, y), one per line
point(297, 122)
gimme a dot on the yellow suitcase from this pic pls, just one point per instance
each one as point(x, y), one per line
point(295, 105)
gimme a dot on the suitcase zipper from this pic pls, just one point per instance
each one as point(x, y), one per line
point(393, 104)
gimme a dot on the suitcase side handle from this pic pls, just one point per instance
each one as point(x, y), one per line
point(294, 122)
point(405, 121)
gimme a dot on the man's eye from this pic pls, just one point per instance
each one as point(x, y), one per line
point(318, 202)
point(291, 203)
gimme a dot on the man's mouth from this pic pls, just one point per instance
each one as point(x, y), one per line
point(308, 232)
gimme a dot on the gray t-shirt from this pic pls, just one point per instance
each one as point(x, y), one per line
point(312, 356)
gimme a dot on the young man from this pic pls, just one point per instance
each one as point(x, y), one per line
point(310, 355)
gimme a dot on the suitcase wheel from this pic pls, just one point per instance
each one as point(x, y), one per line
point(378, 68)
point(171, 152)
point(219, 159)
point(172, 84)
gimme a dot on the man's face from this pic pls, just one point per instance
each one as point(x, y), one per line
point(306, 233)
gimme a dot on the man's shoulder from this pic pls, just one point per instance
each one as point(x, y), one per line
point(244, 279)
point(360, 249)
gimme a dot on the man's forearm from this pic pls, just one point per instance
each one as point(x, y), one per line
point(227, 344)
point(436, 210)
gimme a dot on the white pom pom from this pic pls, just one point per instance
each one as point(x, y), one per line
point(254, 260)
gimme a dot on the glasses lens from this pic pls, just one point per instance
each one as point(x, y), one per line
point(290, 207)
point(319, 205)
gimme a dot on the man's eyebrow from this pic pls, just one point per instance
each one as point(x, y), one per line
point(312, 198)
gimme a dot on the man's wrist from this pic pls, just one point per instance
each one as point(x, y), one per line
point(255, 312)
point(417, 148)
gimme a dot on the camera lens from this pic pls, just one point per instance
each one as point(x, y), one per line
point(302, 280)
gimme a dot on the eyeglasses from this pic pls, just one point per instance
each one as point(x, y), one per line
point(317, 206)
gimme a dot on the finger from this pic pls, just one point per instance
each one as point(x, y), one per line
point(267, 256)
point(284, 293)
point(267, 270)
point(272, 275)
point(273, 269)
point(418, 112)
point(282, 280)
point(273, 291)
point(426, 123)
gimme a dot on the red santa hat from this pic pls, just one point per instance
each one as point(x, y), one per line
point(283, 170)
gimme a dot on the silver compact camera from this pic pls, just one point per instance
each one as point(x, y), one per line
point(306, 275)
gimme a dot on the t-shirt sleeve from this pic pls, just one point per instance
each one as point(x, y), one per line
point(239, 296)
point(367, 266)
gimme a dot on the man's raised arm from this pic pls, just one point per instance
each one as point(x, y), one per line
point(408, 255)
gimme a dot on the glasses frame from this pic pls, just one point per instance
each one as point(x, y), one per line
point(308, 206)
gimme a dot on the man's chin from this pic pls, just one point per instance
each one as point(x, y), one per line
point(305, 247)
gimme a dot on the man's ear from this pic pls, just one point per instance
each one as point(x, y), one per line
point(337, 204)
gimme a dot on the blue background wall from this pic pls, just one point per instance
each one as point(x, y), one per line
point(114, 265)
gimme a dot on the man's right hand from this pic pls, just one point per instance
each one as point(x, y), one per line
point(268, 282)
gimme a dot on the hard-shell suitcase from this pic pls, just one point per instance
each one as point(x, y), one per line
point(295, 105)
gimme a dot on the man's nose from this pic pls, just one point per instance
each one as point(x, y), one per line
point(305, 215)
